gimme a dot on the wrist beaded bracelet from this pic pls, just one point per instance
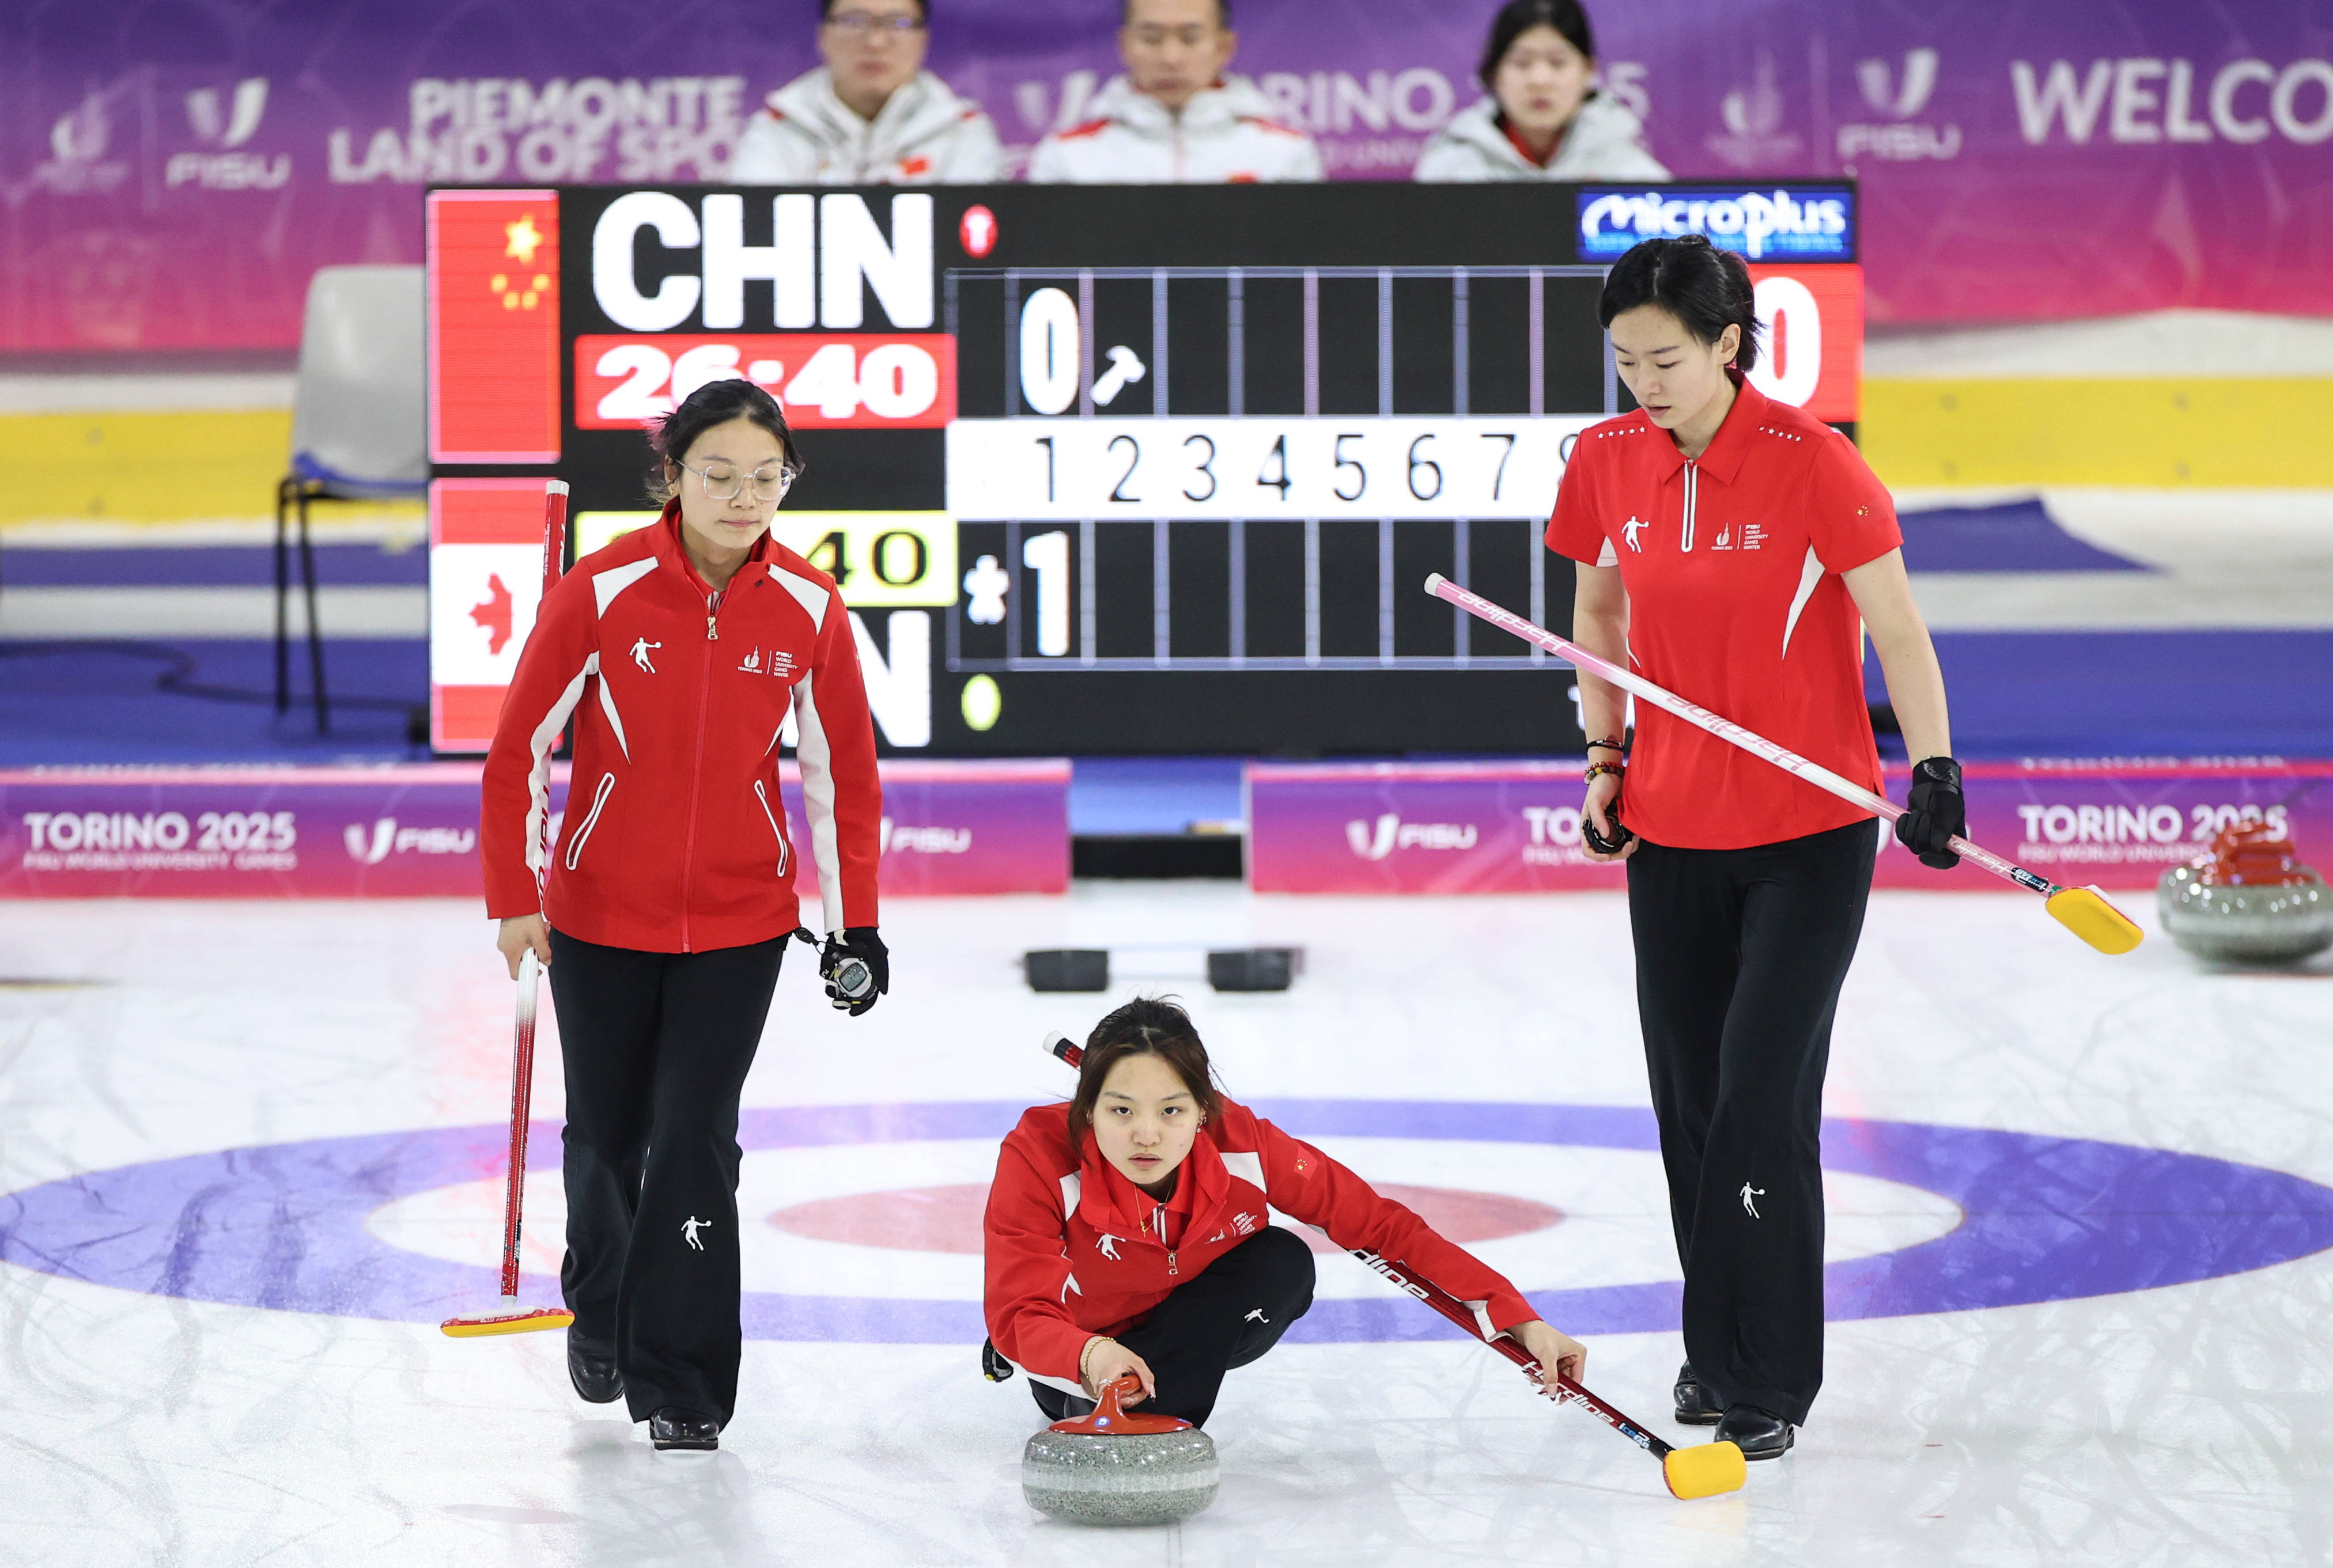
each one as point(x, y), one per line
point(1595, 768)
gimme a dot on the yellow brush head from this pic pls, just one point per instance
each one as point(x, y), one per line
point(1705, 1470)
point(2085, 912)
point(524, 1320)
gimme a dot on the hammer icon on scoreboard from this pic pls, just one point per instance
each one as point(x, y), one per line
point(1125, 368)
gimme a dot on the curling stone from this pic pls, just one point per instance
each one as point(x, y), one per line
point(2247, 902)
point(1117, 1467)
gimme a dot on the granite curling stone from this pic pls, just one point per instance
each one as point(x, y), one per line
point(2247, 902)
point(1117, 1467)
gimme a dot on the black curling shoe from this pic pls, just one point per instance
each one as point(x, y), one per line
point(595, 1377)
point(673, 1428)
point(1759, 1434)
point(1692, 1406)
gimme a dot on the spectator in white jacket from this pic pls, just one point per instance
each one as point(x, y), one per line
point(1543, 117)
point(871, 115)
point(1174, 118)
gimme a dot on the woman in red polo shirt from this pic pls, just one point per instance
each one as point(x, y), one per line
point(678, 651)
point(1734, 549)
point(1128, 1232)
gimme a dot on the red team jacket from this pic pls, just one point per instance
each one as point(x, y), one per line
point(1733, 562)
point(1075, 1249)
point(674, 839)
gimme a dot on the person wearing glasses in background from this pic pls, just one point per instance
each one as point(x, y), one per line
point(871, 115)
point(1541, 116)
point(678, 652)
point(1174, 118)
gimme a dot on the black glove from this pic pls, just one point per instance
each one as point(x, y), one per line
point(857, 969)
point(1935, 813)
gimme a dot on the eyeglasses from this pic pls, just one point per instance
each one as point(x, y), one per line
point(866, 24)
point(723, 482)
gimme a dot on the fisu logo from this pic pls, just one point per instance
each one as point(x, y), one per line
point(1908, 97)
point(387, 837)
point(384, 833)
point(1391, 833)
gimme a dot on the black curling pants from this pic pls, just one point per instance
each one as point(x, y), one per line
point(655, 1047)
point(1740, 957)
point(1230, 1313)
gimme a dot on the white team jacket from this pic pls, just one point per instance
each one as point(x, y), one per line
point(1606, 142)
point(925, 134)
point(1224, 135)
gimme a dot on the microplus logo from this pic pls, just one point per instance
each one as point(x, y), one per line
point(1392, 833)
point(1805, 223)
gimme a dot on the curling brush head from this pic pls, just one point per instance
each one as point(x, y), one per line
point(1705, 1470)
point(2085, 912)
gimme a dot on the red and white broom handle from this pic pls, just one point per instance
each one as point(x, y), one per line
point(554, 560)
point(1406, 1279)
point(1757, 745)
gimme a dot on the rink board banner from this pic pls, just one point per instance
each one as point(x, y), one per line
point(173, 179)
point(1506, 828)
point(411, 832)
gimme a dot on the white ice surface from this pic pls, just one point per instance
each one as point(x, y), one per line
point(2175, 1426)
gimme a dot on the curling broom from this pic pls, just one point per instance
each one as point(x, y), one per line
point(1701, 1470)
point(2084, 911)
point(510, 1317)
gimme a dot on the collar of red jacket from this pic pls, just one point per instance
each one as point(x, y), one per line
point(1108, 1202)
point(669, 552)
point(1523, 148)
point(1722, 458)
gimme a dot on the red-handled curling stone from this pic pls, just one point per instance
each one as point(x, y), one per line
point(1119, 1466)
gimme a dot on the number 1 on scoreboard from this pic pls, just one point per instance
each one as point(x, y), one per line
point(1047, 443)
point(1047, 555)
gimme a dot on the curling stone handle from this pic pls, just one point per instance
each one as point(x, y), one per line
point(1110, 1406)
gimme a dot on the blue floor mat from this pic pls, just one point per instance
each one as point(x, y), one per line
point(2136, 693)
point(2019, 537)
point(64, 703)
point(208, 566)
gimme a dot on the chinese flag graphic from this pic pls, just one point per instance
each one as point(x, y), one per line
point(494, 326)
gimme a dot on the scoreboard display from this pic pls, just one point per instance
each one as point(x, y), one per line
point(1114, 469)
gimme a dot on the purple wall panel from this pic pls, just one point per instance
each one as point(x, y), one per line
point(172, 174)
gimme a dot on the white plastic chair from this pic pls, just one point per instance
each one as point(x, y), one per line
point(358, 430)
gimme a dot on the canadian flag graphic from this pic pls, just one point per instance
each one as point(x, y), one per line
point(486, 584)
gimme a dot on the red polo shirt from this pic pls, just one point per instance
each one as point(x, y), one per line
point(1731, 562)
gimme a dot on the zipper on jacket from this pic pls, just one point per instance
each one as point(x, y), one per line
point(1692, 504)
point(697, 778)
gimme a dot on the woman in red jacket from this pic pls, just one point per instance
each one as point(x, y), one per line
point(1128, 1231)
point(678, 651)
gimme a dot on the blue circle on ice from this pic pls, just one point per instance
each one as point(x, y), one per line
point(283, 1225)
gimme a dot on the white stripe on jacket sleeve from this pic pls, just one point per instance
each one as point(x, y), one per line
point(816, 757)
